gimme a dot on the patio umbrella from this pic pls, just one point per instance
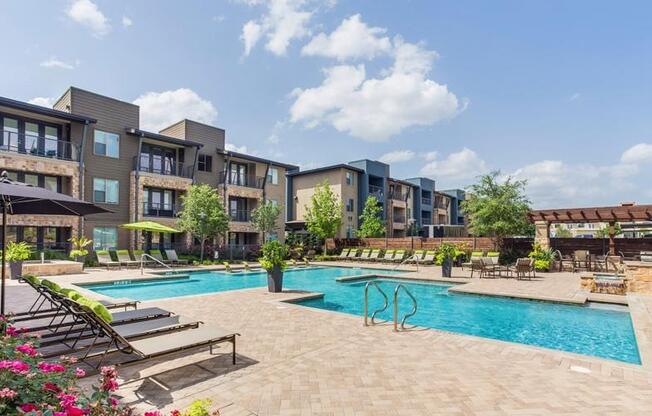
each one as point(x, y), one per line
point(20, 198)
point(152, 226)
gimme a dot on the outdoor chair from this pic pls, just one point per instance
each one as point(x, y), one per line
point(389, 256)
point(159, 257)
point(581, 260)
point(417, 257)
point(125, 258)
point(138, 255)
point(523, 267)
point(477, 265)
point(373, 256)
point(494, 256)
point(344, 253)
point(352, 254)
point(104, 259)
point(364, 255)
point(474, 255)
point(398, 256)
point(429, 257)
point(172, 257)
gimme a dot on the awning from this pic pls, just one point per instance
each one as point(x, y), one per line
point(152, 226)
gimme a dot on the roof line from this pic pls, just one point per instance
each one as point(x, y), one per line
point(256, 159)
point(162, 137)
point(326, 168)
point(21, 105)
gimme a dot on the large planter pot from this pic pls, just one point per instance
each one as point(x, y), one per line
point(446, 268)
point(16, 269)
point(275, 280)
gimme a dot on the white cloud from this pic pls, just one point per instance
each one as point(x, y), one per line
point(161, 109)
point(353, 39)
point(639, 153)
point(86, 13)
point(397, 156)
point(457, 169)
point(375, 109)
point(42, 101)
point(284, 21)
point(234, 148)
point(430, 156)
point(126, 21)
point(53, 62)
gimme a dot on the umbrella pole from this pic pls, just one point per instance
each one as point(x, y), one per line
point(4, 255)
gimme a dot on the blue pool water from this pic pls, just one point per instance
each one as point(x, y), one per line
point(598, 331)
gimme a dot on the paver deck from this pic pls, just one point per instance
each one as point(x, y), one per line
point(294, 360)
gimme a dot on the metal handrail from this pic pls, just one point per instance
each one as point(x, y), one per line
point(35, 145)
point(412, 257)
point(142, 263)
point(366, 302)
point(407, 315)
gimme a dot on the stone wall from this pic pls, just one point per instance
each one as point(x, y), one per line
point(46, 166)
point(639, 276)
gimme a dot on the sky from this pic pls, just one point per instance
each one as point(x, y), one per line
point(558, 93)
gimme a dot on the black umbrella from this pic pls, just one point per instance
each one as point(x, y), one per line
point(21, 198)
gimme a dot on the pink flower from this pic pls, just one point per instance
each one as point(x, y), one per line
point(51, 368)
point(153, 413)
point(175, 412)
point(74, 411)
point(79, 373)
point(114, 402)
point(110, 385)
point(15, 332)
point(15, 366)
point(28, 407)
point(51, 387)
point(7, 393)
point(27, 349)
point(67, 400)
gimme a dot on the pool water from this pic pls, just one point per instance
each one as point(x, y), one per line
point(599, 331)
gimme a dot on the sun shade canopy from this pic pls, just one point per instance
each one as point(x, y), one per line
point(152, 226)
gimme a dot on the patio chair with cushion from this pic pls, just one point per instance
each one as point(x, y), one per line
point(125, 258)
point(581, 260)
point(523, 267)
point(352, 254)
point(389, 256)
point(174, 258)
point(104, 259)
point(373, 256)
point(398, 256)
point(429, 257)
point(474, 255)
point(365, 255)
point(159, 257)
point(344, 253)
point(477, 265)
point(417, 256)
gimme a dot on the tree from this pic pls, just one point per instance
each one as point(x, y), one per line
point(324, 215)
point(265, 217)
point(371, 221)
point(497, 208)
point(604, 231)
point(203, 214)
point(562, 232)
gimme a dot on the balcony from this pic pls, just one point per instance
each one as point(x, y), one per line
point(397, 195)
point(248, 181)
point(159, 210)
point(398, 219)
point(38, 146)
point(165, 167)
point(240, 215)
point(377, 191)
point(426, 201)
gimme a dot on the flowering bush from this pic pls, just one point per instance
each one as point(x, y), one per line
point(34, 387)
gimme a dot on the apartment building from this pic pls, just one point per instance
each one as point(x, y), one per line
point(92, 147)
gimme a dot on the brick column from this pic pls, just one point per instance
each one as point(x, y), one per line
point(542, 234)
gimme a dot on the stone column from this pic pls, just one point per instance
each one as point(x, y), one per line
point(612, 236)
point(542, 234)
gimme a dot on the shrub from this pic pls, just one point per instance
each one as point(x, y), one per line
point(18, 251)
point(449, 250)
point(274, 254)
point(542, 257)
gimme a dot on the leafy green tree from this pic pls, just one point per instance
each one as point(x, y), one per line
point(203, 215)
point(371, 220)
point(324, 215)
point(265, 217)
point(497, 208)
point(562, 232)
point(604, 231)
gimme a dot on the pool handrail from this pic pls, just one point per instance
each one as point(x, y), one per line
point(407, 315)
point(366, 302)
point(142, 262)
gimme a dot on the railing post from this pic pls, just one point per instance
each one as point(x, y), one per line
point(396, 309)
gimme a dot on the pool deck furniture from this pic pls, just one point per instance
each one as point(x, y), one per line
point(174, 258)
point(352, 254)
point(344, 253)
point(417, 257)
point(373, 256)
point(474, 255)
point(398, 256)
point(125, 258)
point(478, 265)
point(138, 255)
point(389, 255)
point(104, 259)
point(581, 260)
point(429, 257)
point(158, 256)
point(524, 267)
point(364, 255)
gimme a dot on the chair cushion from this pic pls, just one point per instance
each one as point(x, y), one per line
point(33, 280)
point(99, 309)
point(51, 285)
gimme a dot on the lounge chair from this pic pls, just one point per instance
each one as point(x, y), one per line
point(398, 256)
point(365, 255)
point(306, 262)
point(227, 267)
point(104, 259)
point(138, 255)
point(474, 255)
point(159, 257)
point(154, 346)
point(429, 257)
point(477, 265)
point(125, 258)
point(522, 268)
point(373, 256)
point(389, 255)
point(352, 254)
point(417, 257)
point(344, 253)
point(172, 257)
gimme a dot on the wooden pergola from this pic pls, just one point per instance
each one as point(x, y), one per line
point(611, 215)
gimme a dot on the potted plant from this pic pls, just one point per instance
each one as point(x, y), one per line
point(273, 260)
point(78, 249)
point(446, 254)
point(16, 254)
point(542, 258)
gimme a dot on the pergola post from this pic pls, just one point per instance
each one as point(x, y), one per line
point(542, 234)
point(612, 238)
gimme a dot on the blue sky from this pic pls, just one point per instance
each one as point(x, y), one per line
point(555, 92)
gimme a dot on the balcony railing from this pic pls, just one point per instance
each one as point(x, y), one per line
point(240, 215)
point(164, 167)
point(398, 218)
point(249, 181)
point(426, 221)
point(151, 209)
point(38, 146)
point(426, 201)
point(377, 191)
point(397, 195)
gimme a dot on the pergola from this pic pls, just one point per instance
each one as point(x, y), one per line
point(611, 215)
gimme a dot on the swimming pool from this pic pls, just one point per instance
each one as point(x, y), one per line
point(599, 331)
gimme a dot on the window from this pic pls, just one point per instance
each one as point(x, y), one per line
point(349, 231)
point(105, 238)
point(272, 236)
point(31, 179)
point(105, 190)
point(205, 163)
point(272, 176)
point(51, 183)
point(106, 144)
point(349, 205)
point(349, 178)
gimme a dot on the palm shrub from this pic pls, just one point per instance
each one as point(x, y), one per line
point(79, 248)
point(542, 257)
